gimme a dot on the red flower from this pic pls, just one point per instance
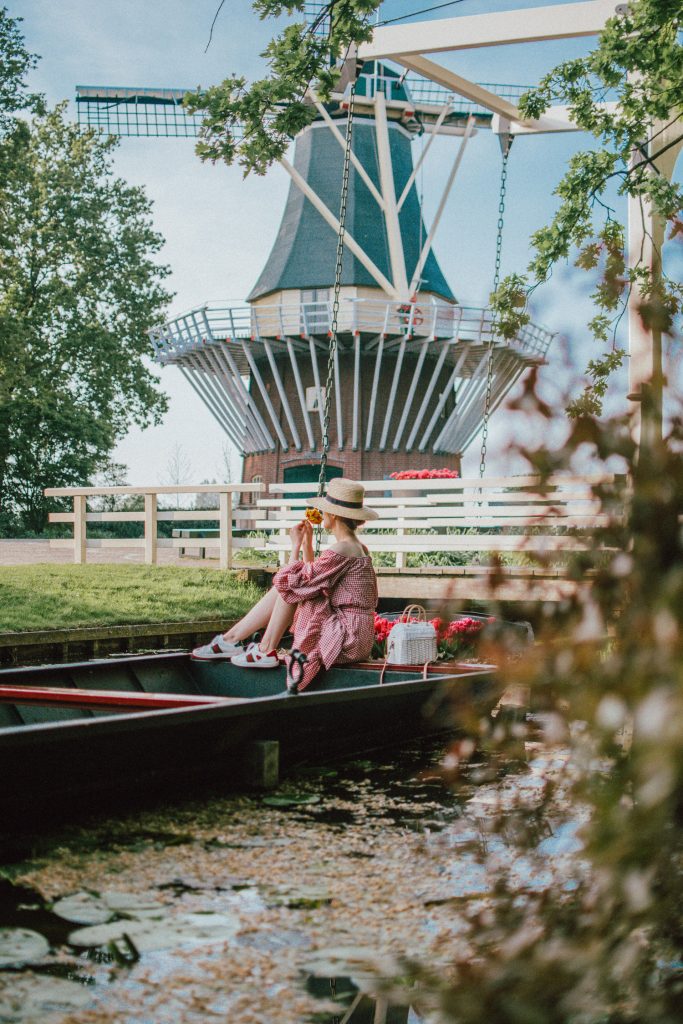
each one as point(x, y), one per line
point(425, 474)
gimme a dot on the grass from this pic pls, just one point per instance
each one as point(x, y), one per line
point(64, 596)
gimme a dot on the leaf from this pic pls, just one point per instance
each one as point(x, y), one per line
point(31, 998)
point(83, 908)
point(148, 936)
point(19, 946)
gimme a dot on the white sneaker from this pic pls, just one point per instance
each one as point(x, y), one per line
point(254, 657)
point(217, 650)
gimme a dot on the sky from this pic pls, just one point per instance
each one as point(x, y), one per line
point(219, 227)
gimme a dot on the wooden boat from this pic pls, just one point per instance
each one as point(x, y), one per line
point(76, 735)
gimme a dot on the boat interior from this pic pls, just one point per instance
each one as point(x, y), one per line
point(129, 685)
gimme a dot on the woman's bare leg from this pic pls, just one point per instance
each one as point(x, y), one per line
point(280, 620)
point(255, 619)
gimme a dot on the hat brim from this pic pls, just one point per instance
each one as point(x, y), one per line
point(362, 514)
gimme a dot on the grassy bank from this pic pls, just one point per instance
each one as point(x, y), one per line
point(63, 596)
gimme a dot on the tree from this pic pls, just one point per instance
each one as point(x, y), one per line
point(15, 64)
point(255, 125)
point(178, 468)
point(79, 289)
point(227, 469)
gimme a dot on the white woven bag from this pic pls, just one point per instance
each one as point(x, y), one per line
point(412, 643)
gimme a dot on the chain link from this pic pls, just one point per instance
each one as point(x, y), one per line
point(329, 384)
point(333, 993)
point(496, 282)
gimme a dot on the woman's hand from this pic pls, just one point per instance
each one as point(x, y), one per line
point(307, 542)
point(302, 539)
point(297, 533)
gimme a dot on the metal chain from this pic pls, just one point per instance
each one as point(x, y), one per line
point(329, 384)
point(333, 993)
point(496, 282)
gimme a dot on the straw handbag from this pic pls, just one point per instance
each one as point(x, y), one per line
point(412, 643)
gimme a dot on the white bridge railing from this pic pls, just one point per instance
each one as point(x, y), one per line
point(227, 518)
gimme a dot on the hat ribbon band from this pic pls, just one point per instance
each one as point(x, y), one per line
point(344, 504)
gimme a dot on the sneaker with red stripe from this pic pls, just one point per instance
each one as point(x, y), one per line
point(254, 657)
point(217, 649)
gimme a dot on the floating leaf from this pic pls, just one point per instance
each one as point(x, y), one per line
point(83, 908)
point(19, 946)
point(150, 935)
point(133, 905)
point(29, 997)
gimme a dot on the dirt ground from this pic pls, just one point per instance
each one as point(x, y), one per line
point(32, 552)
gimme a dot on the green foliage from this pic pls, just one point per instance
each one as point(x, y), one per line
point(597, 937)
point(255, 123)
point(79, 288)
point(638, 65)
point(64, 596)
point(15, 64)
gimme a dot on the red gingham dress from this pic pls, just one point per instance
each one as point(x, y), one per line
point(336, 598)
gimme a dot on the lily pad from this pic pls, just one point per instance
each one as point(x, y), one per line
point(361, 964)
point(83, 908)
point(133, 905)
point(88, 909)
point(30, 997)
point(292, 800)
point(150, 935)
point(19, 946)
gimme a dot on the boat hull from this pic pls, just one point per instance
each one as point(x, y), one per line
point(67, 759)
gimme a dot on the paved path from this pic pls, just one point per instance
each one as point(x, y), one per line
point(31, 552)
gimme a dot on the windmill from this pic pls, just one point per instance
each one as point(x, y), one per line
point(411, 363)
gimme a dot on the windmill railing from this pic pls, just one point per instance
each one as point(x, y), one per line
point(418, 321)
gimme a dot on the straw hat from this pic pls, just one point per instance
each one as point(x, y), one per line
point(344, 498)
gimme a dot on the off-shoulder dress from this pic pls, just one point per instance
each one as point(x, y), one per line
point(336, 597)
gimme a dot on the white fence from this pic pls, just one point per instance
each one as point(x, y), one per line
point(227, 518)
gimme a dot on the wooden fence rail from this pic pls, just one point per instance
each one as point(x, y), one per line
point(227, 516)
point(465, 532)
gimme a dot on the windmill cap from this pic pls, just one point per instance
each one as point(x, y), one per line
point(344, 498)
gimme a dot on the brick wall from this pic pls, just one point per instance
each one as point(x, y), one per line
point(362, 463)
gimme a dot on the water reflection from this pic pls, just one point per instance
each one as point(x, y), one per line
point(252, 885)
point(355, 1005)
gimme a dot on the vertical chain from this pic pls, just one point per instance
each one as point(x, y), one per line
point(335, 305)
point(333, 993)
point(496, 282)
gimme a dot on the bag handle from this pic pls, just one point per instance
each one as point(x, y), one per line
point(416, 609)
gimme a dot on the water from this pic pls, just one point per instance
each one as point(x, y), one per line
point(294, 906)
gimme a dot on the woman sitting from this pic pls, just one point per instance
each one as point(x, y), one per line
point(329, 601)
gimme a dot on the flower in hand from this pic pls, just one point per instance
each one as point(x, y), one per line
point(314, 515)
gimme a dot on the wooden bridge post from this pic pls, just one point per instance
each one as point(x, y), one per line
point(225, 528)
point(80, 527)
point(400, 534)
point(151, 528)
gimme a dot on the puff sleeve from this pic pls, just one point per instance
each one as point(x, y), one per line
point(300, 581)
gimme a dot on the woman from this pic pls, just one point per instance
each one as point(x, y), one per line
point(329, 601)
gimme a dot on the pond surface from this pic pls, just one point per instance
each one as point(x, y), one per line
point(295, 906)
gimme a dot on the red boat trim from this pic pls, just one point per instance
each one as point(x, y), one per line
point(108, 698)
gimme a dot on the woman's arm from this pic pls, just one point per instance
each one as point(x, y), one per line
point(307, 545)
point(302, 542)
